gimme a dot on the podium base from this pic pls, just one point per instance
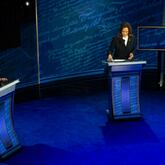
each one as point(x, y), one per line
point(123, 116)
point(130, 116)
point(10, 151)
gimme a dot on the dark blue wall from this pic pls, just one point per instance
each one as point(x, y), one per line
point(21, 62)
point(74, 36)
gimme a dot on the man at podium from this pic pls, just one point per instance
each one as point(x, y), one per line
point(123, 45)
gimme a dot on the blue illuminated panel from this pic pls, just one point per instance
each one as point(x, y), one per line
point(116, 96)
point(151, 38)
point(134, 94)
point(125, 95)
point(8, 139)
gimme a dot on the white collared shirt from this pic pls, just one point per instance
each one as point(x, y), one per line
point(125, 40)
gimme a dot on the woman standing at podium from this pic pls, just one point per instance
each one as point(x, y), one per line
point(123, 45)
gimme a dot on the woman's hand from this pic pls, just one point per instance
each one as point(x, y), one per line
point(131, 56)
point(110, 58)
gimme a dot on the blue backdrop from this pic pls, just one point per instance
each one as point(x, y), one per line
point(21, 62)
point(74, 36)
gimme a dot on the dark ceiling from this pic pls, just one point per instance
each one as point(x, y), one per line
point(14, 13)
point(16, 9)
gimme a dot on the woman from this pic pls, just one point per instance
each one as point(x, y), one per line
point(123, 45)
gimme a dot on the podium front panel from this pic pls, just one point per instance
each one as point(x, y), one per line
point(124, 87)
point(125, 96)
point(8, 139)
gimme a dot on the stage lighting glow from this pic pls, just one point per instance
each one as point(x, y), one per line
point(27, 3)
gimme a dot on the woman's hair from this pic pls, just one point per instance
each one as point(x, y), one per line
point(125, 25)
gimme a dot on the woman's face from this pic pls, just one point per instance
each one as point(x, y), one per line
point(125, 32)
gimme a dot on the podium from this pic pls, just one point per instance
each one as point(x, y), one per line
point(124, 79)
point(8, 138)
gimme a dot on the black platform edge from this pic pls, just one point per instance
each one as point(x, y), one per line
point(70, 86)
point(74, 86)
point(26, 94)
point(81, 85)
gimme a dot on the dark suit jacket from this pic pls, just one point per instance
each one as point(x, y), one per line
point(119, 50)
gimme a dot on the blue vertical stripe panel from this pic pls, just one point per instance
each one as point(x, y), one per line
point(134, 94)
point(8, 139)
point(116, 95)
point(4, 136)
point(125, 95)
